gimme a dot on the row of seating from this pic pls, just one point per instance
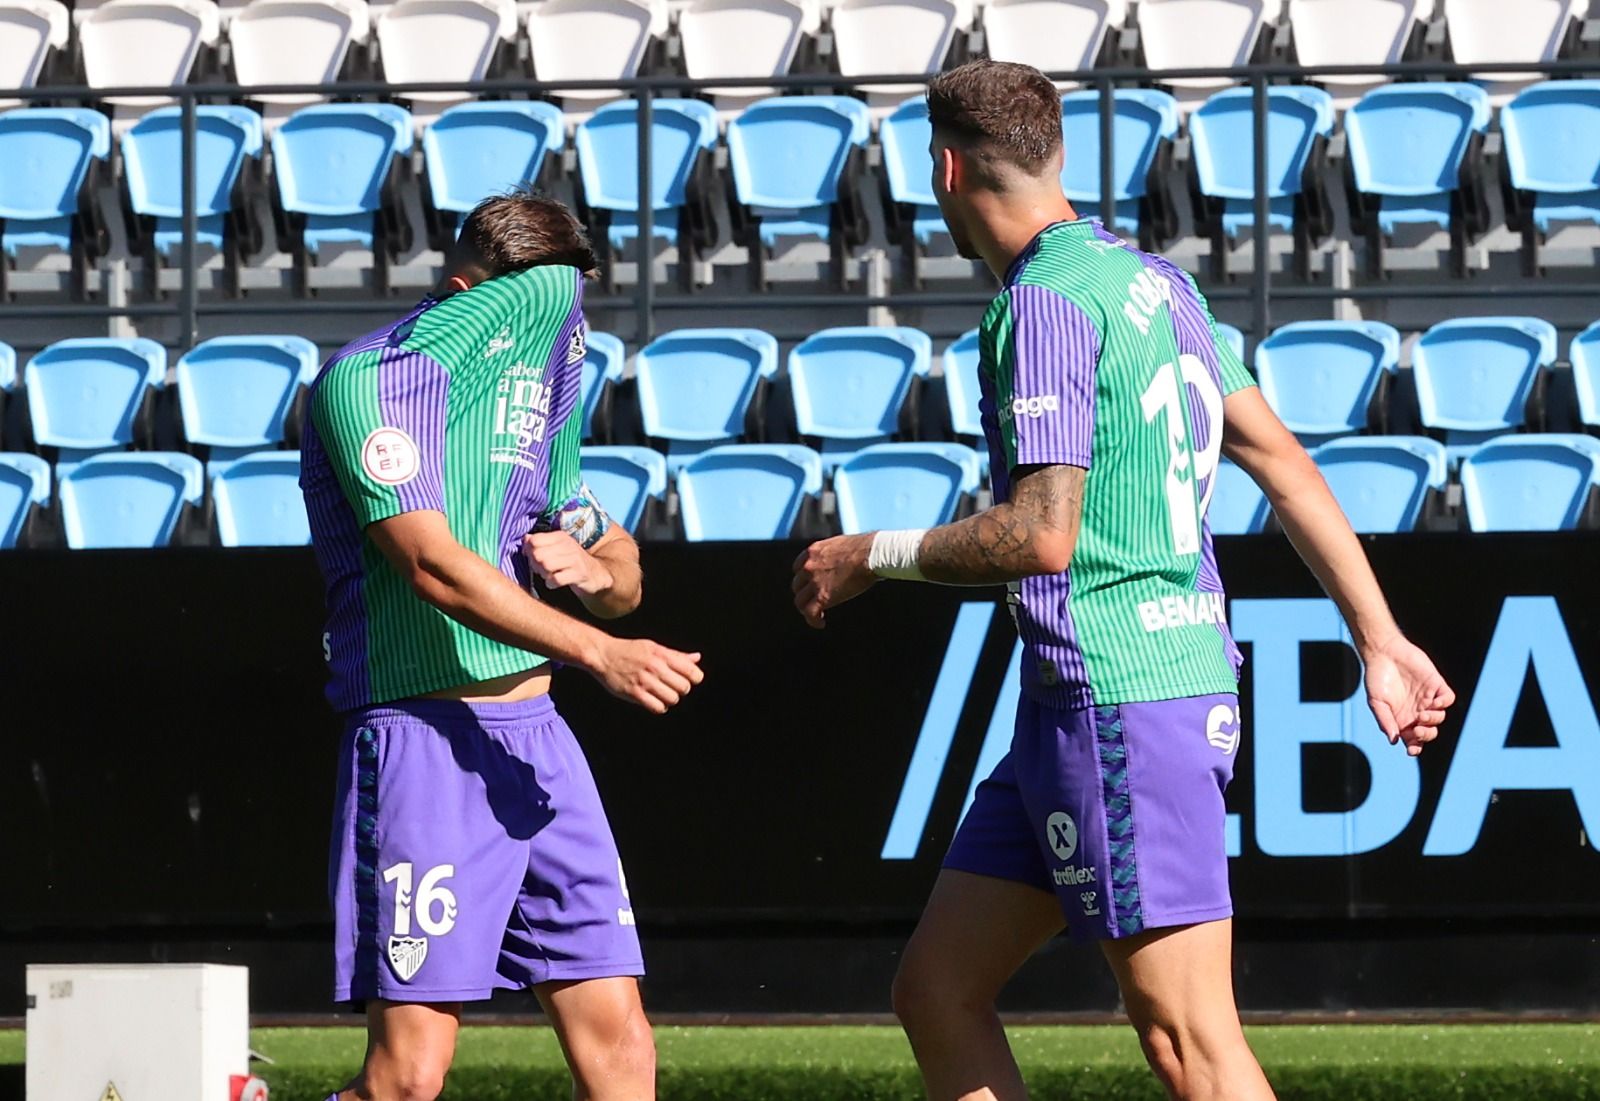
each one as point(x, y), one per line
point(793, 166)
point(156, 42)
point(697, 388)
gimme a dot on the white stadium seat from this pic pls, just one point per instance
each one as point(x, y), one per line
point(744, 38)
point(1484, 31)
point(443, 40)
point(896, 36)
point(145, 42)
point(295, 42)
point(1052, 35)
point(1201, 34)
point(592, 40)
point(29, 30)
point(1353, 32)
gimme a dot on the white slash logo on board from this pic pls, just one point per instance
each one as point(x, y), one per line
point(406, 955)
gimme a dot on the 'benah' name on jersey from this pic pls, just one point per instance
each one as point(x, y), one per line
point(1185, 610)
point(521, 410)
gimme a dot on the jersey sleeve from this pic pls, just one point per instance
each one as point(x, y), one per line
point(1046, 351)
point(1235, 375)
point(383, 429)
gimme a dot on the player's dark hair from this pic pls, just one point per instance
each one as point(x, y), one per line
point(520, 230)
point(1000, 114)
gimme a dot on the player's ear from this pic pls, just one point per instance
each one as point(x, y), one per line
point(947, 164)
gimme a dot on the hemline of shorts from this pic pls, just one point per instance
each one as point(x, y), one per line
point(1151, 924)
point(617, 969)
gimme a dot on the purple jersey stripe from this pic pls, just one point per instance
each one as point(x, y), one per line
point(1054, 348)
point(336, 538)
point(411, 396)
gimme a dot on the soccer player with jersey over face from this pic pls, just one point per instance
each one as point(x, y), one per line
point(470, 850)
point(1107, 401)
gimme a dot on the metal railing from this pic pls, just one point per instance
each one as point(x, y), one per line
point(643, 297)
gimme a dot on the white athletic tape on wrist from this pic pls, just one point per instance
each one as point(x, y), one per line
point(894, 554)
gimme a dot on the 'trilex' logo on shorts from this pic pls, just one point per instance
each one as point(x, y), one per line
point(406, 955)
point(1062, 834)
point(1222, 728)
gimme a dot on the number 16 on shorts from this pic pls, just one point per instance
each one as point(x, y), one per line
point(433, 907)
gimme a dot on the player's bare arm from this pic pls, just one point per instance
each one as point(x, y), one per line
point(606, 578)
point(1030, 535)
point(1406, 693)
point(469, 590)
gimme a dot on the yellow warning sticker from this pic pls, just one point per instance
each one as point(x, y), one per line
point(111, 1093)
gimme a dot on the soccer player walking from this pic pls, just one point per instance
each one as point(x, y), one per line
point(1107, 399)
point(470, 849)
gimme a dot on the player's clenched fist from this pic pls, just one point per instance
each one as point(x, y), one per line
point(560, 562)
point(647, 673)
point(829, 572)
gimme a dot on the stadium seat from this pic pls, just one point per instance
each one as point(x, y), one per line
point(1480, 32)
point(907, 177)
point(604, 358)
point(1193, 34)
point(258, 501)
point(1585, 357)
point(1299, 119)
point(1238, 507)
point(1233, 336)
point(475, 150)
point(30, 31)
point(1474, 375)
point(1354, 32)
point(295, 42)
point(1410, 150)
point(1321, 377)
point(592, 40)
point(235, 393)
point(1143, 126)
point(896, 36)
point(1528, 483)
point(335, 165)
point(747, 491)
point(24, 486)
point(696, 386)
point(851, 383)
point(145, 43)
point(682, 132)
point(743, 38)
point(8, 375)
point(1382, 482)
point(130, 500)
point(64, 157)
point(794, 160)
point(625, 480)
point(961, 384)
point(1552, 157)
point(1054, 36)
point(92, 394)
point(442, 41)
point(904, 485)
point(227, 167)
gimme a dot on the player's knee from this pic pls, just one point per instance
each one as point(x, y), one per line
point(624, 1049)
point(1164, 1053)
point(921, 992)
point(409, 1080)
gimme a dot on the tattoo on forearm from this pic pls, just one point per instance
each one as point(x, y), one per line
point(1003, 543)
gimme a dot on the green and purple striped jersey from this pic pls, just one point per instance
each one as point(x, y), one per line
point(470, 407)
point(1097, 355)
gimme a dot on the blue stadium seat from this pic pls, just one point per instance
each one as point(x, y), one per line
point(229, 141)
point(1552, 155)
point(1382, 482)
point(8, 378)
point(904, 485)
point(681, 131)
point(336, 165)
point(961, 384)
point(1407, 145)
point(695, 386)
point(1528, 483)
point(1144, 122)
point(603, 360)
point(908, 174)
point(258, 501)
point(24, 486)
point(1238, 507)
point(1234, 338)
point(850, 384)
point(625, 480)
point(747, 491)
point(1298, 116)
point(87, 394)
point(1321, 377)
point(1585, 357)
point(55, 158)
point(235, 392)
point(1474, 375)
point(483, 148)
point(790, 157)
point(128, 500)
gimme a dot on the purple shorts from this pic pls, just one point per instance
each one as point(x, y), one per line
point(471, 853)
point(1117, 810)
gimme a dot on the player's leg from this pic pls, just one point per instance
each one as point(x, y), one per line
point(975, 933)
point(409, 1048)
point(605, 1037)
point(1177, 985)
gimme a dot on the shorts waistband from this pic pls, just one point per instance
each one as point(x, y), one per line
point(490, 716)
